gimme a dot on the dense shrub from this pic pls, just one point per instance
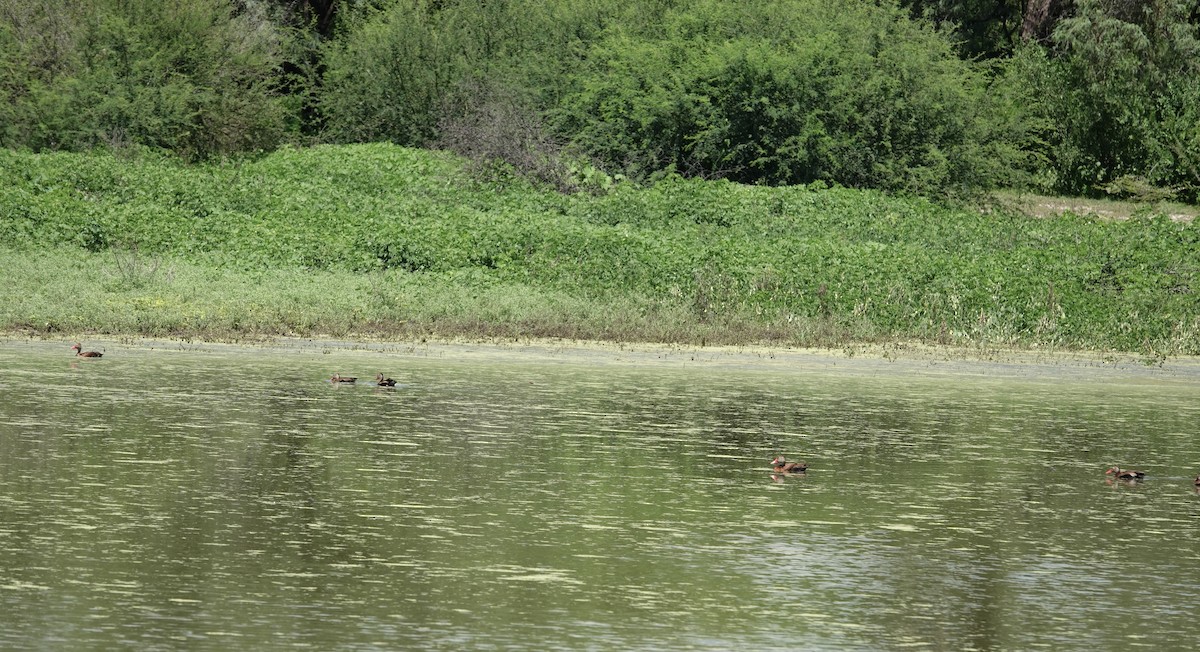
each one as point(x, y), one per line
point(194, 77)
point(1119, 88)
point(786, 92)
point(1079, 97)
point(772, 92)
point(386, 78)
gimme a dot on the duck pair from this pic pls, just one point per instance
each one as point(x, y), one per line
point(380, 380)
point(781, 465)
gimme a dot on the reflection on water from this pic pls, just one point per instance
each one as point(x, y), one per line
point(230, 498)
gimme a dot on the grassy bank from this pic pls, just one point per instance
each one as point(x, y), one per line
point(377, 240)
point(64, 290)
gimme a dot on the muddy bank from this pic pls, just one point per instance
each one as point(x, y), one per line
point(892, 359)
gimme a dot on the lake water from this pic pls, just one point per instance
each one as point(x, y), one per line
point(205, 497)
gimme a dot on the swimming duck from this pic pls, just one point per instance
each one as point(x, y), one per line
point(338, 378)
point(80, 353)
point(384, 382)
point(1125, 474)
point(783, 466)
point(1197, 481)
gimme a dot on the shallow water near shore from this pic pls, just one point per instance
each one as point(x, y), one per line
point(174, 496)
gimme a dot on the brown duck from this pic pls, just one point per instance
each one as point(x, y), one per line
point(1125, 474)
point(338, 378)
point(80, 353)
point(781, 465)
point(384, 382)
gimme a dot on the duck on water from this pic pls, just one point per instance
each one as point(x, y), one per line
point(80, 353)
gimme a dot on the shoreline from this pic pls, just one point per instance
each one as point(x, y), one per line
point(895, 358)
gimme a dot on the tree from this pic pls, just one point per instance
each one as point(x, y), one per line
point(784, 93)
point(984, 28)
point(1041, 17)
point(1126, 109)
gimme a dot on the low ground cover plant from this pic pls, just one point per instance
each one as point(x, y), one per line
point(386, 240)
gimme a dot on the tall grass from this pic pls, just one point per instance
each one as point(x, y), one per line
point(65, 290)
point(378, 240)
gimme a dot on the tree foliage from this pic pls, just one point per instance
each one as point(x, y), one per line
point(787, 92)
point(772, 92)
point(982, 28)
point(926, 96)
point(1119, 86)
point(193, 76)
point(386, 78)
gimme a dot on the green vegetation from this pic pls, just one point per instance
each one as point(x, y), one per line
point(929, 97)
point(191, 77)
point(381, 240)
point(702, 171)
